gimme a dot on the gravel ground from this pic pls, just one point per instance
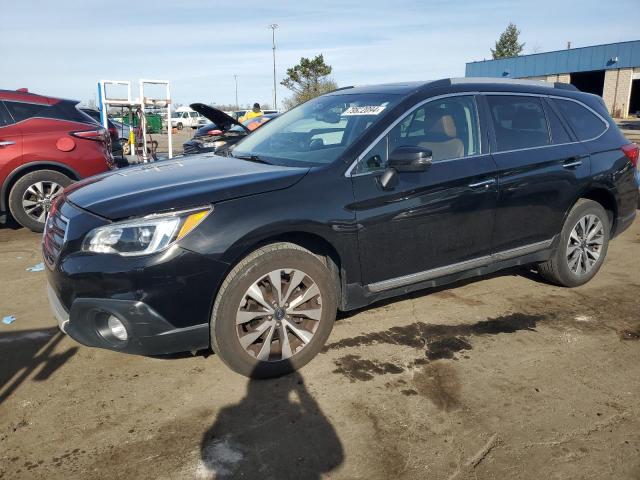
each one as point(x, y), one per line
point(501, 377)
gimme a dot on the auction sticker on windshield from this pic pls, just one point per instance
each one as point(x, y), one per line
point(364, 110)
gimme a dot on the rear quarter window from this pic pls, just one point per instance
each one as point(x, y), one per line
point(585, 124)
point(22, 111)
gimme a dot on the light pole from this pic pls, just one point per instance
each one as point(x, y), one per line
point(235, 77)
point(273, 27)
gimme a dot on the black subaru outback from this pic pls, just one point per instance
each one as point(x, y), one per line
point(357, 195)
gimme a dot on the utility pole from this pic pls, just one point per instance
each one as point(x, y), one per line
point(273, 27)
point(235, 77)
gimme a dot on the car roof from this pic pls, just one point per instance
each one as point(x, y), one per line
point(459, 85)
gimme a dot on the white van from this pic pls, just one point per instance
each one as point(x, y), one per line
point(186, 117)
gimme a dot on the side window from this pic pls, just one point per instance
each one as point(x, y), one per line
point(5, 119)
point(558, 133)
point(519, 122)
point(448, 127)
point(585, 124)
point(21, 111)
point(194, 114)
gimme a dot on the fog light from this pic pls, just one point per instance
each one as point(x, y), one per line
point(117, 328)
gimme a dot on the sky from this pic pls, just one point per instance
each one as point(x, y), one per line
point(63, 47)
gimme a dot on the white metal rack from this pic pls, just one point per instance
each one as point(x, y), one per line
point(141, 103)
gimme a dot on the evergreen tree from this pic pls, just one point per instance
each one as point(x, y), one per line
point(507, 45)
point(308, 79)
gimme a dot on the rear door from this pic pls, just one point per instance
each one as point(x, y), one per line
point(10, 143)
point(541, 168)
point(435, 218)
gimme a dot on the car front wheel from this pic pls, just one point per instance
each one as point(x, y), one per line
point(274, 311)
point(582, 246)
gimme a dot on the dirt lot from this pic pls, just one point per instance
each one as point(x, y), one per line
point(505, 377)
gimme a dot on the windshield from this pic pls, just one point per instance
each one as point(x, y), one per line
point(317, 131)
point(176, 114)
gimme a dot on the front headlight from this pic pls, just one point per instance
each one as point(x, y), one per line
point(144, 236)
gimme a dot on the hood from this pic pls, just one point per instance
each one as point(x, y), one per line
point(175, 184)
point(221, 119)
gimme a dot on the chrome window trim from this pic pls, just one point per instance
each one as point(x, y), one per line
point(410, 110)
point(347, 173)
point(457, 267)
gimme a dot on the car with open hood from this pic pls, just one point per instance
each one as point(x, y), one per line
point(355, 196)
point(223, 132)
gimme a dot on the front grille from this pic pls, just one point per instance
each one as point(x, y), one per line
point(55, 232)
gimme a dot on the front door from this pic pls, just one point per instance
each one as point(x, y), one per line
point(435, 218)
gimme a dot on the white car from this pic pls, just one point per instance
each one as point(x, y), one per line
point(187, 118)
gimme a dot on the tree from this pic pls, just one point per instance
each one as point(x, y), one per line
point(308, 79)
point(507, 45)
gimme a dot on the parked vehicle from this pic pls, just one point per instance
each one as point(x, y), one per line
point(45, 144)
point(186, 117)
point(117, 149)
point(222, 133)
point(358, 195)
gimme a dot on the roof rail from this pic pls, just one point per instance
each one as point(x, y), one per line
point(565, 86)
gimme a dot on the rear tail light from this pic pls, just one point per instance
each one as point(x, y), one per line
point(215, 132)
point(631, 151)
point(98, 134)
point(113, 131)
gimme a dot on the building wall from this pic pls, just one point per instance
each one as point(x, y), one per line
point(617, 88)
point(617, 91)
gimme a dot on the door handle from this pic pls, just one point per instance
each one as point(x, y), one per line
point(6, 143)
point(485, 184)
point(573, 162)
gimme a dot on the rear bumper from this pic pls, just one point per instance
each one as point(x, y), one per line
point(622, 223)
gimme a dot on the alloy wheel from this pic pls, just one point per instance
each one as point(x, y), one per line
point(585, 245)
point(279, 315)
point(37, 199)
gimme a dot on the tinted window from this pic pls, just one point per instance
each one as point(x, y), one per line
point(519, 122)
point(448, 127)
point(558, 132)
point(585, 124)
point(5, 119)
point(22, 111)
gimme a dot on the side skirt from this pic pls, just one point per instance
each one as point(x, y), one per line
point(359, 296)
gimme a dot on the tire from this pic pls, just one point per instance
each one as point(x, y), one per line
point(31, 195)
point(282, 260)
point(561, 268)
point(179, 126)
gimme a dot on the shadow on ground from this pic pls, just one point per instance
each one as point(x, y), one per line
point(277, 431)
point(25, 351)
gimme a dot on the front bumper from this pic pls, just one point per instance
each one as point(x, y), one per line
point(163, 300)
point(148, 333)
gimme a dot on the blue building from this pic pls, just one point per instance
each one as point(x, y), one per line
point(611, 71)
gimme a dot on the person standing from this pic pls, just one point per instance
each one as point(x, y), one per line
point(256, 111)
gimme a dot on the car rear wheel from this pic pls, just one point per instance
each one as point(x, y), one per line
point(179, 126)
point(582, 246)
point(31, 196)
point(274, 311)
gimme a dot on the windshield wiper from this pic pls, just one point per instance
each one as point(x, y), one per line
point(252, 158)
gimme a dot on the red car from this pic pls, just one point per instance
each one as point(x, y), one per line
point(45, 144)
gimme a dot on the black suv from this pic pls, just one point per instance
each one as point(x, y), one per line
point(361, 194)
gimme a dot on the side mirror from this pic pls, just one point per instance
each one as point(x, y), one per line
point(410, 159)
point(404, 159)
